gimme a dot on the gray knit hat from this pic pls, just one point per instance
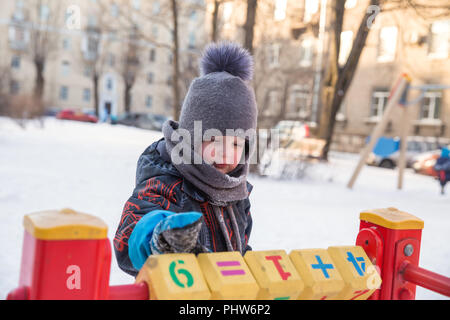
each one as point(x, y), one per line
point(221, 98)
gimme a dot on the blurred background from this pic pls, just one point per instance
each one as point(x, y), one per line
point(328, 64)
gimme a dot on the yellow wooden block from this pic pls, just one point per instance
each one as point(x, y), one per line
point(319, 274)
point(228, 276)
point(275, 274)
point(174, 277)
point(360, 276)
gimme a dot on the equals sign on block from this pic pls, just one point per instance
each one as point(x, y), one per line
point(230, 272)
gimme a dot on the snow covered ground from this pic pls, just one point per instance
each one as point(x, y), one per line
point(91, 168)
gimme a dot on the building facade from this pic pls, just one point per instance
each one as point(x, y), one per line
point(88, 38)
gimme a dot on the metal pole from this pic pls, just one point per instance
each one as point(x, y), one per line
point(427, 279)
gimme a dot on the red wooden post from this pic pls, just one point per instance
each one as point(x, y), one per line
point(390, 238)
point(66, 255)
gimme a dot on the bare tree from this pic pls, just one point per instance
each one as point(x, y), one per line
point(45, 18)
point(339, 78)
point(249, 27)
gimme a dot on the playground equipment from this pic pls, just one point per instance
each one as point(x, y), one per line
point(66, 255)
point(398, 97)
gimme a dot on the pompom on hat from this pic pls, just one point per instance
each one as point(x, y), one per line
point(221, 98)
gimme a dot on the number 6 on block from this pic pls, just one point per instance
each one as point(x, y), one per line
point(174, 277)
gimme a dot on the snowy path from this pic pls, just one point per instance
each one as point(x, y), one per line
point(91, 168)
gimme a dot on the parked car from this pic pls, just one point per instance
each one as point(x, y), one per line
point(68, 114)
point(51, 112)
point(386, 152)
point(424, 163)
point(142, 120)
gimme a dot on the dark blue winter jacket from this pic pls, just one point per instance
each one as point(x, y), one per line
point(442, 167)
point(159, 186)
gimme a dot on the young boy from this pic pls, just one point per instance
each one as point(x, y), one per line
point(195, 198)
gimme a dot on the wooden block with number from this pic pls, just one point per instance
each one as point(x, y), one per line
point(276, 275)
point(360, 276)
point(174, 277)
point(228, 276)
point(319, 274)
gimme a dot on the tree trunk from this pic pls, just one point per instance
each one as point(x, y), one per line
point(214, 33)
point(338, 86)
point(250, 24)
point(176, 69)
point(38, 92)
point(95, 80)
point(127, 97)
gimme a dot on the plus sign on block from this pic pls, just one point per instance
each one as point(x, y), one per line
point(319, 273)
point(174, 277)
point(276, 275)
point(228, 276)
point(360, 276)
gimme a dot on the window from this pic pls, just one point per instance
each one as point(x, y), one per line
point(349, 4)
point(168, 103)
point(87, 71)
point(150, 77)
point(379, 102)
point(65, 68)
point(273, 55)
point(169, 80)
point(431, 106)
point(109, 83)
point(111, 59)
point(136, 4)
point(311, 8)
point(156, 8)
point(148, 101)
point(272, 104)
point(306, 52)
point(193, 15)
point(439, 39)
point(14, 87)
point(114, 10)
point(63, 93)
point(191, 44)
point(280, 10)
point(346, 46)
point(86, 95)
point(66, 43)
point(15, 62)
point(227, 11)
point(298, 104)
point(44, 13)
point(170, 58)
point(92, 20)
point(18, 37)
point(387, 44)
point(152, 55)
point(155, 32)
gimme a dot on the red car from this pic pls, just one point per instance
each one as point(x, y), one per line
point(424, 163)
point(68, 114)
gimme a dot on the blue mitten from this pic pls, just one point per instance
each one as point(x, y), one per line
point(162, 231)
point(176, 233)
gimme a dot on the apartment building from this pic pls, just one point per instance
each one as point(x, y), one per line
point(291, 49)
point(400, 41)
point(94, 37)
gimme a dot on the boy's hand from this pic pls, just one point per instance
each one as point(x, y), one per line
point(176, 233)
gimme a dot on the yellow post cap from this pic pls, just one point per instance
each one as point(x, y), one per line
point(392, 218)
point(64, 224)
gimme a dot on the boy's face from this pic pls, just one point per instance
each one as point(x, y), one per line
point(223, 152)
